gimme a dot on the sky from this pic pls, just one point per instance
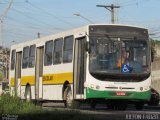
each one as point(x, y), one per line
point(25, 18)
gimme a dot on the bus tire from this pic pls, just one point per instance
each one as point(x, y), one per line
point(69, 102)
point(28, 93)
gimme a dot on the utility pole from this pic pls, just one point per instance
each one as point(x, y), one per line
point(1, 31)
point(111, 9)
point(2, 16)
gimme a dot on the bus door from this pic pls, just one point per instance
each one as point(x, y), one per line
point(39, 73)
point(18, 74)
point(79, 67)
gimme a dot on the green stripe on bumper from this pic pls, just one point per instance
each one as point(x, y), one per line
point(130, 95)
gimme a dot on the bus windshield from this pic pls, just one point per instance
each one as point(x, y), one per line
point(117, 57)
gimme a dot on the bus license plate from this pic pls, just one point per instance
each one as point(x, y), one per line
point(120, 93)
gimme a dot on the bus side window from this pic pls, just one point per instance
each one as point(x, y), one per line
point(48, 53)
point(68, 49)
point(57, 57)
point(13, 59)
point(25, 60)
point(32, 56)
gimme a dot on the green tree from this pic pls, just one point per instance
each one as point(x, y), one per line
point(1, 76)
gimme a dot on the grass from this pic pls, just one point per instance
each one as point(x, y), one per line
point(10, 105)
point(14, 105)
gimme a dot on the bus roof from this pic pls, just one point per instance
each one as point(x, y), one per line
point(64, 33)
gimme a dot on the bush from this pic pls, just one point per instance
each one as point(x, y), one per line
point(14, 105)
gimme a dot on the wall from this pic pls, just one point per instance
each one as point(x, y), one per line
point(156, 69)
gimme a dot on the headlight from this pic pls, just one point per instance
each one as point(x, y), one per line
point(141, 88)
point(97, 87)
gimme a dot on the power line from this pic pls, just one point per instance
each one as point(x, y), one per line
point(133, 2)
point(57, 28)
point(27, 30)
point(127, 2)
point(30, 24)
point(5, 11)
point(52, 15)
point(1, 21)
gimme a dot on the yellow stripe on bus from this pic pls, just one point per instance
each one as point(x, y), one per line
point(57, 78)
point(12, 82)
point(47, 79)
point(28, 79)
point(24, 80)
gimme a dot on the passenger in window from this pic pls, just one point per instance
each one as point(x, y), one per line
point(128, 65)
point(123, 58)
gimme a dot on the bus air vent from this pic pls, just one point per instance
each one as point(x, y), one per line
point(112, 87)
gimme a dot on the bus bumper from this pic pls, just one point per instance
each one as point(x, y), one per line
point(112, 95)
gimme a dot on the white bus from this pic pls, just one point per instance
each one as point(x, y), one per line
point(81, 65)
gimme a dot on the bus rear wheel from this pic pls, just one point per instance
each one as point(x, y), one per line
point(68, 98)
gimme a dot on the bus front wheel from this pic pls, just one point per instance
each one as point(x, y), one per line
point(68, 98)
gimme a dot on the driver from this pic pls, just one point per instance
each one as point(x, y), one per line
point(123, 59)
